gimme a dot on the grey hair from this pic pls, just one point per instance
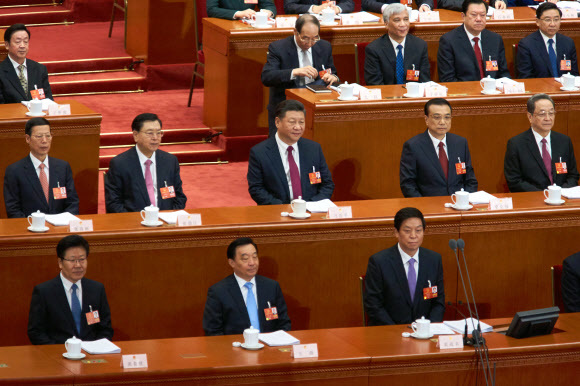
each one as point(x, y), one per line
point(534, 98)
point(393, 9)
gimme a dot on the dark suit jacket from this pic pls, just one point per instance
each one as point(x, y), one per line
point(282, 59)
point(381, 60)
point(387, 299)
point(421, 173)
point(226, 9)
point(571, 283)
point(267, 181)
point(125, 189)
point(456, 59)
point(524, 168)
point(11, 90)
point(23, 193)
point(50, 320)
point(376, 5)
point(302, 6)
point(516, 3)
point(226, 313)
point(452, 5)
point(533, 60)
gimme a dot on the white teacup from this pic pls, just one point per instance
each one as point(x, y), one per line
point(261, 19)
point(35, 107)
point(73, 346)
point(251, 337)
point(554, 193)
point(36, 220)
point(487, 84)
point(346, 91)
point(298, 206)
point(328, 16)
point(422, 327)
point(460, 199)
point(414, 89)
point(568, 81)
point(150, 214)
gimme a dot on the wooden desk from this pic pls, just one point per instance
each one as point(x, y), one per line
point(362, 141)
point(235, 100)
point(27, 365)
point(76, 139)
point(317, 261)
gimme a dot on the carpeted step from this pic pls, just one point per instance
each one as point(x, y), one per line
point(92, 64)
point(169, 136)
point(95, 83)
point(184, 153)
point(35, 15)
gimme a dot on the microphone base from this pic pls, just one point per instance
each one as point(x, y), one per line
point(475, 342)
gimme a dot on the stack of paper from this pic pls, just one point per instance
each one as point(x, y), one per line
point(101, 346)
point(440, 329)
point(320, 206)
point(576, 81)
point(278, 338)
point(459, 325)
point(60, 219)
point(481, 197)
point(171, 217)
point(366, 17)
point(571, 192)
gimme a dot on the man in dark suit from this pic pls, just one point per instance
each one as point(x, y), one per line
point(535, 158)
point(29, 184)
point(287, 166)
point(317, 6)
point(398, 277)
point(70, 304)
point(245, 298)
point(237, 9)
point(388, 58)
point(571, 283)
point(429, 162)
point(541, 53)
point(378, 6)
point(470, 52)
point(19, 75)
point(295, 61)
point(144, 175)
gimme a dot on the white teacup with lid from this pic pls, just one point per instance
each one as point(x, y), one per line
point(460, 199)
point(422, 327)
point(37, 221)
point(487, 84)
point(299, 206)
point(554, 193)
point(251, 337)
point(73, 347)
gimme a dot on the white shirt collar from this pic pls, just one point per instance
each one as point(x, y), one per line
point(538, 138)
point(16, 64)
point(143, 158)
point(36, 162)
point(395, 43)
point(546, 38)
point(242, 282)
point(67, 283)
point(470, 36)
point(406, 257)
point(283, 145)
point(436, 141)
point(309, 50)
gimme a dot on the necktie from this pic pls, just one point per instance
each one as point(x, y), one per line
point(478, 57)
point(294, 175)
point(75, 306)
point(149, 181)
point(43, 181)
point(412, 278)
point(22, 78)
point(547, 159)
point(252, 307)
point(400, 70)
point(305, 63)
point(443, 160)
point(553, 58)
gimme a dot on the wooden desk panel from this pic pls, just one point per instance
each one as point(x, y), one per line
point(76, 139)
point(26, 365)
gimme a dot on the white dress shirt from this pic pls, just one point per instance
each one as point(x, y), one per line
point(36, 162)
point(16, 65)
point(68, 290)
point(406, 261)
point(470, 37)
point(300, 61)
point(539, 138)
point(395, 44)
point(546, 42)
point(142, 159)
point(436, 144)
point(242, 283)
point(283, 149)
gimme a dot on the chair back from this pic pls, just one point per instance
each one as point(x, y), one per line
point(557, 300)
point(359, 62)
point(365, 318)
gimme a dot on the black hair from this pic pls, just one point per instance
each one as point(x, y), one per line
point(140, 119)
point(33, 122)
point(407, 213)
point(304, 19)
point(239, 242)
point(14, 28)
point(437, 102)
point(467, 3)
point(288, 105)
point(71, 241)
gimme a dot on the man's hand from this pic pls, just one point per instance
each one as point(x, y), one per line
point(424, 8)
point(308, 71)
point(270, 13)
point(336, 9)
point(319, 8)
point(244, 14)
point(553, 1)
point(500, 5)
point(329, 78)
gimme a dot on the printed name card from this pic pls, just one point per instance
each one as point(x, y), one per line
point(285, 22)
point(350, 19)
point(137, 361)
point(569, 13)
point(435, 92)
point(80, 226)
point(339, 212)
point(514, 88)
point(446, 342)
point(189, 220)
point(54, 109)
point(500, 203)
point(369, 94)
point(503, 14)
point(428, 16)
point(305, 351)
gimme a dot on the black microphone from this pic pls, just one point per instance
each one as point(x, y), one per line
point(465, 338)
point(453, 244)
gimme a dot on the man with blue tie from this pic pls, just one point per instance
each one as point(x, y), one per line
point(245, 298)
point(70, 304)
point(546, 53)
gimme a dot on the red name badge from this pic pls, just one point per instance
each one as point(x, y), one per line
point(565, 65)
point(561, 168)
point(271, 313)
point(37, 93)
point(429, 292)
point(491, 65)
point(407, 2)
point(460, 168)
point(59, 193)
point(413, 75)
point(167, 192)
point(314, 178)
point(92, 317)
point(321, 73)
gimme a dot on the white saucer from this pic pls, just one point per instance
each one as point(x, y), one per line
point(569, 89)
point(258, 347)
point(263, 26)
point(494, 92)
point(406, 95)
point(414, 335)
point(74, 357)
point(340, 98)
point(28, 113)
point(153, 224)
point(299, 216)
point(329, 24)
point(44, 229)
point(462, 208)
point(560, 202)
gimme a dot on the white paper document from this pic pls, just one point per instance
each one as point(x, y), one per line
point(171, 217)
point(366, 17)
point(481, 197)
point(61, 219)
point(571, 192)
point(440, 329)
point(278, 338)
point(101, 346)
point(459, 325)
point(320, 206)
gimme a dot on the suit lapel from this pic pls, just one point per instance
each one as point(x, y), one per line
point(429, 150)
point(139, 179)
point(467, 47)
point(62, 301)
point(421, 279)
point(389, 50)
point(52, 182)
point(533, 148)
point(453, 154)
point(34, 181)
point(273, 154)
point(399, 269)
point(160, 174)
point(542, 51)
point(262, 301)
point(305, 165)
point(10, 73)
point(236, 294)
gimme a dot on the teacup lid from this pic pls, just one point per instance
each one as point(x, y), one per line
point(73, 340)
point(251, 330)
